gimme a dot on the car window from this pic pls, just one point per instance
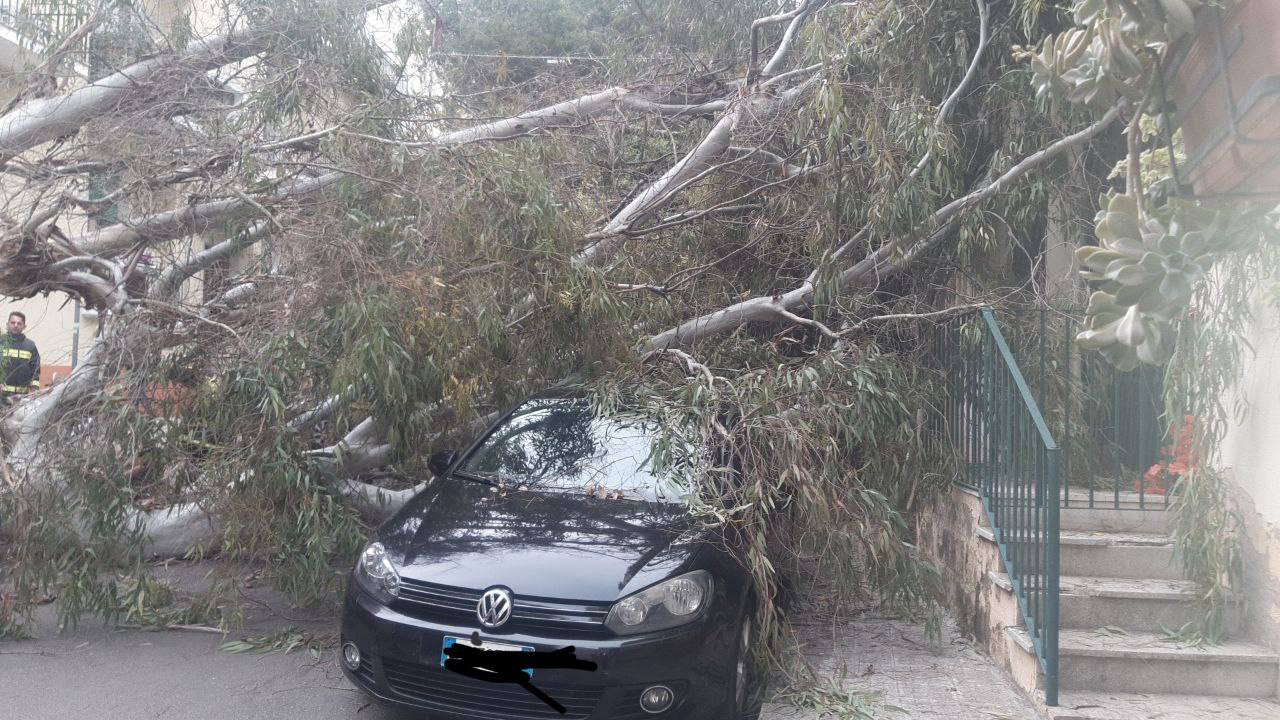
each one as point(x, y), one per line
point(560, 445)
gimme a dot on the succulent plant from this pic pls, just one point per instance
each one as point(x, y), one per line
point(1103, 59)
point(1148, 265)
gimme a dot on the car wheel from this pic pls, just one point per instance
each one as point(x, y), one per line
point(748, 688)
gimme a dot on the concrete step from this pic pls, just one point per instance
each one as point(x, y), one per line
point(1107, 554)
point(1108, 519)
point(1102, 604)
point(1122, 606)
point(1121, 706)
point(1146, 663)
point(1111, 520)
point(1120, 555)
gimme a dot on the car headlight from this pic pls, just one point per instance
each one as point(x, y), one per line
point(669, 603)
point(376, 573)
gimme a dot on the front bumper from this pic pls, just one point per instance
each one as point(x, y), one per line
point(400, 664)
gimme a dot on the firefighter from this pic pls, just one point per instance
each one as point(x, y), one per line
point(21, 361)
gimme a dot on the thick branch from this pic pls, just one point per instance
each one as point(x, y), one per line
point(173, 278)
point(661, 191)
point(316, 415)
point(237, 294)
point(697, 164)
point(195, 218)
point(46, 119)
point(874, 266)
point(802, 13)
point(25, 427)
point(571, 113)
point(944, 113)
point(795, 18)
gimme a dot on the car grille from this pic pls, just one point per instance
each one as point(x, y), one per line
point(365, 671)
point(526, 612)
point(433, 688)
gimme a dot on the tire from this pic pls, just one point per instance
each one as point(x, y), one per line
point(748, 690)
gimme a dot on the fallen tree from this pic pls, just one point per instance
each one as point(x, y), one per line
point(323, 272)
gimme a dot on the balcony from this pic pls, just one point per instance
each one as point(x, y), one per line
point(29, 27)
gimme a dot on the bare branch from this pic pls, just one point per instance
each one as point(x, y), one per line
point(795, 17)
point(661, 191)
point(173, 277)
point(805, 9)
point(110, 268)
point(237, 294)
point(944, 113)
point(569, 113)
point(317, 414)
point(196, 218)
point(875, 265)
point(46, 119)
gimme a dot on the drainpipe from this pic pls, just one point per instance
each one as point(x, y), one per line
point(75, 338)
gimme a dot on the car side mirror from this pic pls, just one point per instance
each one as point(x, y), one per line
point(439, 463)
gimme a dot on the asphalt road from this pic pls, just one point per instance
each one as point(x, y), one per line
point(137, 675)
point(130, 674)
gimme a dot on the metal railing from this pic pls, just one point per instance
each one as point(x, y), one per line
point(1109, 423)
point(43, 23)
point(1006, 453)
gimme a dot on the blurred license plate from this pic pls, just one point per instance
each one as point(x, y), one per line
point(451, 640)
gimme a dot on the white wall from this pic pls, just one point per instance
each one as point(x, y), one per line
point(1251, 450)
point(1250, 455)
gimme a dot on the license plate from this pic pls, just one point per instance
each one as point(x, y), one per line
point(451, 640)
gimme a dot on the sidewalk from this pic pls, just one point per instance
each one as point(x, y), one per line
point(891, 663)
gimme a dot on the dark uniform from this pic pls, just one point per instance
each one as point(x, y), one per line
point(21, 365)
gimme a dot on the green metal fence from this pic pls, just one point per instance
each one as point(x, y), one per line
point(46, 22)
point(1006, 453)
point(1110, 424)
point(119, 38)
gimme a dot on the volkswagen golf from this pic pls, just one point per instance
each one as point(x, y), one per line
point(551, 571)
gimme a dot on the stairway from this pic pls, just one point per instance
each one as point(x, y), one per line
point(1121, 588)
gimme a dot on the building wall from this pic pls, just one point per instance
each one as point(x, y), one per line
point(947, 533)
point(1252, 448)
point(1251, 458)
point(51, 320)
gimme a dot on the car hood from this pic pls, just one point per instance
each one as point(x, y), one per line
point(550, 545)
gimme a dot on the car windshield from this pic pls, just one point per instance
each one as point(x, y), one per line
point(559, 445)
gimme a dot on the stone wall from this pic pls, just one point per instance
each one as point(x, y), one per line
point(949, 532)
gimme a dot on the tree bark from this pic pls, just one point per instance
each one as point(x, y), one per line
point(40, 121)
point(660, 192)
point(571, 113)
point(875, 266)
point(175, 224)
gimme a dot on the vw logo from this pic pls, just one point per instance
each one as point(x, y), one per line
point(494, 608)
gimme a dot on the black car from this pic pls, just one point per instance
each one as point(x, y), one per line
point(553, 531)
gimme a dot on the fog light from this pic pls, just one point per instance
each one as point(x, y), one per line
point(351, 656)
point(657, 699)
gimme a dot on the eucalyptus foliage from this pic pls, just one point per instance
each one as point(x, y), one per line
point(427, 274)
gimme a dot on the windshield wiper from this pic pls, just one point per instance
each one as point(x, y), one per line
point(475, 478)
